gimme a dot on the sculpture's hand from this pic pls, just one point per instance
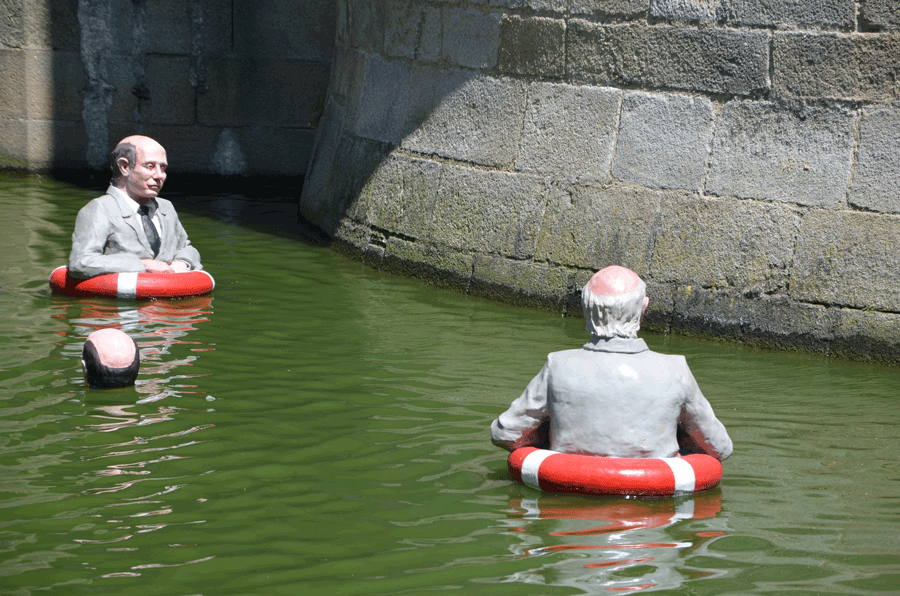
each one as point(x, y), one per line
point(154, 266)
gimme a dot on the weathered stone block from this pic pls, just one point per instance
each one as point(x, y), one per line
point(532, 46)
point(487, 212)
point(12, 24)
point(569, 130)
point(348, 75)
point(859, 67)
point(658, 316)
point(775, 321)
point(13, 143)
point(793, 14)
point(277, 150)
point(12, 92)
point(866, 335)
point(412, 31)
point(361, 24)
point(765, 151)
point(440, 266)
point(471, 38)
point(664, 140)
point(288, 29)
point(354, 240)
point(384, 104)
point(56, 144)
point(609, 7)
point(688, 10)
point(880, 14)
point(53, 83)
point(217, 27)
point(711, 60)
point(592, 226)
point(171, 94)
point(558, 6)
point(465, 117)
point(844, 258)
point(877, 177)
point(274, 84)
point(47, 24)
point(120, 77)
point(165, 26)
point(224, 103)
point(323, 175)
point(750, 249)
point(339, 171)
point(519, 282)
point(399, 195)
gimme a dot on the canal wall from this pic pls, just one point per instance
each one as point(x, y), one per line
point(232, 87)
point(742, 157)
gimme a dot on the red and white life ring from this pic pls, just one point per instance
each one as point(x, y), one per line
point(552, 471)
point(134, 286)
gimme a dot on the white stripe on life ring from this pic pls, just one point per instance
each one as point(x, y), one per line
point(126, 285)
point(684, 474)
point(531, 465)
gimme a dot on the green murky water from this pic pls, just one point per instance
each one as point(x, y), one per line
point(318, 427)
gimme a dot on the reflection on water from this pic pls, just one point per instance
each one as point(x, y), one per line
point(316, 426)
point(638, 544)
point(155, 325)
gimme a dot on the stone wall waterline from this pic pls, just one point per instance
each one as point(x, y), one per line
point(743, 162)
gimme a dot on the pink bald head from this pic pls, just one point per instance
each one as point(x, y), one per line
point(614, 280)
point(115, 348)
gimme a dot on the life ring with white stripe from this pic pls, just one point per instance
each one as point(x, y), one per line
point(133, 286)
point(551, 471)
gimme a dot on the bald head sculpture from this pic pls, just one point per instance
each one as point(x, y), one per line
point(139, 166)
point(110, 358)
point(613, 302)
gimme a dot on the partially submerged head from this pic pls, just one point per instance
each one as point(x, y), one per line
point(613, 302)
point(110, 358)
point(139, 166)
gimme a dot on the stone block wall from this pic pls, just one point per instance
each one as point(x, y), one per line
point(229, 87)
point(740, 155)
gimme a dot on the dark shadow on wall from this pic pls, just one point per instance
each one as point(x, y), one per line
point(234, 88)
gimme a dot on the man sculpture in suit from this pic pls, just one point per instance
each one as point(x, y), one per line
point(130, 228)
point(613, 397)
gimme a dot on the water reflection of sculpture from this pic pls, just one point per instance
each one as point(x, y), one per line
point(644, 544)
point(155, 325)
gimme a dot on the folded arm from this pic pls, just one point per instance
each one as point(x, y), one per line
point(705, 433)
point(526, 422)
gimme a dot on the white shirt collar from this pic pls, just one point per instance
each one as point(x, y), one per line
point(118, 192)
point(617, 344)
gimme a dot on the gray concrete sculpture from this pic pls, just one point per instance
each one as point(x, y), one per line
point(613, 397)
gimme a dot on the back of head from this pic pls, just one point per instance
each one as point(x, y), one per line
point(111, 359)
point(613, 302)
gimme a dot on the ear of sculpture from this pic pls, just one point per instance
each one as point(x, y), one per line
point(124, 166)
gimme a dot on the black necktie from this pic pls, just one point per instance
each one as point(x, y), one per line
point(149, 228)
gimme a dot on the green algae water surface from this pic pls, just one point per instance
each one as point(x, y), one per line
point(317, 427)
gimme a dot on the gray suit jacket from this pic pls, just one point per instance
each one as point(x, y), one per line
point(109, 237)
point(613, 398)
